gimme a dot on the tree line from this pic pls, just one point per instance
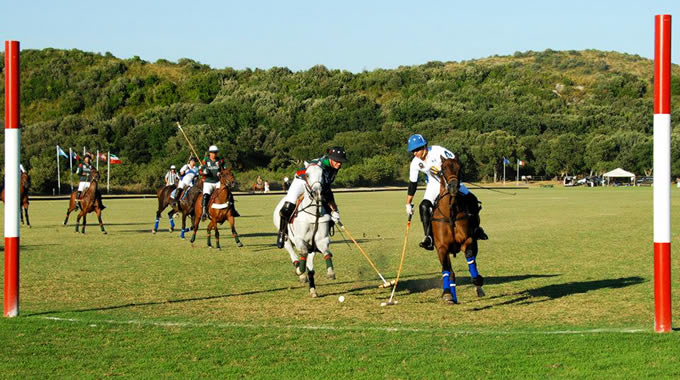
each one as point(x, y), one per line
point(562, 112)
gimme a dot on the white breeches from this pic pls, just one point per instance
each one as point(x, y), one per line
point(433, 188)
point(208, 187)
point(82, 186)
point(296, 189)
point(186, 181)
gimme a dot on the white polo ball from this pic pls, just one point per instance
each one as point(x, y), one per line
point(341, 299)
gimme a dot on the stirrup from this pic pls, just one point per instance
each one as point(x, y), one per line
point(427, 243)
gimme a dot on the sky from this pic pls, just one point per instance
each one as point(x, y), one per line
point(347, 35)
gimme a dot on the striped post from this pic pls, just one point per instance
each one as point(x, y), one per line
point(12, 144)
point(662, 174)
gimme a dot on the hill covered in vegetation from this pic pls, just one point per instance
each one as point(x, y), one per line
point(567, 112)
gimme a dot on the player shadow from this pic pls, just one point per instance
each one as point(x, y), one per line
point(556, 291)
point(258, 234)
point(419, 285)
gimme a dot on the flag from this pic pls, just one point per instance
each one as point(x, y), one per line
point(75, 155)
point(102, 156)
point(113, 159)
point(521, 163)
point(506, 161)
point(61, 152)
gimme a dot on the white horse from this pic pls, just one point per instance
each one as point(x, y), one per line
point(309, 232)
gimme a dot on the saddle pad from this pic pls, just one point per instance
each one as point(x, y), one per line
point(220, 206)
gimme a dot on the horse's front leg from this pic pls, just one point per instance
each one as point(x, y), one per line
point(196, 224)
point(310, 275)
point(470, 249)
point(101, 223)
point(80, 215)
point(448, 277)
point(27, 222)
point(155, 224)
point(184, 226)
point(232, 223)
point(84, 223)
point(210, 227)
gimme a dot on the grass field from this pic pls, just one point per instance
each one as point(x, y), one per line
point(568, 282)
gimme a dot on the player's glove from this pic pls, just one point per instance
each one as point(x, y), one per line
point(335, 216)
point(409, 208)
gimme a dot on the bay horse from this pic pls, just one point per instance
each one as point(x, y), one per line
point(90, 201)
point(24, 185)
point(453, 229)
point(309, 231)
point(187, 204)
point(220, 209)
point(164, 200)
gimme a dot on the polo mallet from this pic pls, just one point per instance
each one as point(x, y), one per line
point(188, 142)
point(401, 264)
point(490, 189)
point(385, 283)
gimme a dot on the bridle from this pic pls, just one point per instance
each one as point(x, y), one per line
point(449, 183)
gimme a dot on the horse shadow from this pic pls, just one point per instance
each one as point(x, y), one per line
point(556, 291)
point(259, 234)
point(419, 285)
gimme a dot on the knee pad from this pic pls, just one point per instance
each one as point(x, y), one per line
point(287, 210)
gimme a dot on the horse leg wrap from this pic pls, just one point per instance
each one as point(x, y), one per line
point(303, 264)
point(446, 280)
point(172, 222)
point(477, 279)
point(329, 260)
point(155, 225)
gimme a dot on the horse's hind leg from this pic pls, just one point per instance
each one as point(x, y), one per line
point(101, 223)
point(172, 221)
point(448, 277)
point(217, 237)
point(471, 258)
point(232, 222)
point(78, 222)
point(210, 227)
point(155, 225)
point(84, 223)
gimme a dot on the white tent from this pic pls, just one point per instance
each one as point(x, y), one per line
point(618, 173)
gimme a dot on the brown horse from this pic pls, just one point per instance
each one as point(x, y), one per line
point(24, 185)
point(187, 204)
point(220, 208)
point(90, 201)
point(453, 227)
point(164, 201)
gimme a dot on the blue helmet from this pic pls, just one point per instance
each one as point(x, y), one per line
point(416, 142)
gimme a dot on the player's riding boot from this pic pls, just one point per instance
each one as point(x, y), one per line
point(285, 213)
point(474, 207)
point(204, 202)
point(233, 205)
point(426, 209)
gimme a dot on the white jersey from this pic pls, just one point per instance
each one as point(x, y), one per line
point(431, 165)
point(188, 171)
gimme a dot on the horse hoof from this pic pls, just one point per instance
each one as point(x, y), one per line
point(239, 244)
point(303, 278)
point(312, 292)
point(153, 232)
point(105, 233)
point(448, 299)
point(330, 274)
point(480, 292)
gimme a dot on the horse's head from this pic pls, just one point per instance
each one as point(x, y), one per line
point(313, 178)
point(94, 175)
point(450, 174)
point(227, 177)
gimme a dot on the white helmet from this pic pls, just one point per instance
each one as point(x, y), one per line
point(172, 167)
point(213, 148)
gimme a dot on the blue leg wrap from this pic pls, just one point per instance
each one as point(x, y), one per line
point(453, 291)
point(472, 266)
point(446, 279)
point(155, 225)
point(172, 223)
point(182, 234)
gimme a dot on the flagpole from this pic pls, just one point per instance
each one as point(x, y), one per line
point(517, 179)
point(108, 170)
point(70, 166)
point(58, 175)
point(504, 170)
point(97, 160)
